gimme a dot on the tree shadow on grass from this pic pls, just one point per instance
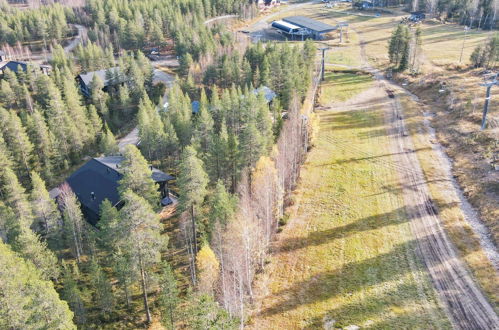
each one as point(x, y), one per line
point(372, 222)
point(370, 307)
point(350, 278)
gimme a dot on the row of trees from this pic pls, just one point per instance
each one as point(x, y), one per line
point(278, 66)
point(134, 25)
point(404, 48)
point(43, 24)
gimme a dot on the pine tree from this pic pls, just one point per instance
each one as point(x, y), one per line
point(108, 226)
point(234, 160)
point(73, 221)
point(151, 129)
point(251, 144)
point(30, 247)
point(43, 140)
point(45, 211)
point(192, 182)
point(27, 301)
point(15, 197)
point(125, 272)
point(5, 158)
point(137, 176)
point(405, 49)
point(217, 160)
point(222, 206)
point(98, 96)
point(72, 294)
point(77, 111)
point(141, 238)
point(102, 288)
point(203, 125)
point(95, 123)
point(18, 141)
point(168, 297)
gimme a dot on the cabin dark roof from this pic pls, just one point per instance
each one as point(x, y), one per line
point(309, 23)
point(13, 65)
point(114, 163)
point(97, 180)
point(87, 77)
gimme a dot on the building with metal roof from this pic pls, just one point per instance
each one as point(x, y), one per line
point(268, 93)
point(85, 79)
point(98, 179)
point(314, 28)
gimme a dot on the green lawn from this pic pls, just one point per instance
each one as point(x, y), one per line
point(341, 86)
point(347, 253)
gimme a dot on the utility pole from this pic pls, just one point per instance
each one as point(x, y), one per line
point(487, 100)
point(464, 40)
point(323, 61)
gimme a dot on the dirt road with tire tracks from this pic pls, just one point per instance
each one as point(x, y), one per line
point(466, 305)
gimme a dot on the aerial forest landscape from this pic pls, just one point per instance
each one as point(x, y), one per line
point(249, 164)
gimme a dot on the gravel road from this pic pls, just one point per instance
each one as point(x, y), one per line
point(466, 305)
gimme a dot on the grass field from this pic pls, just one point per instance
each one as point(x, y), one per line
point(341, 86)
point(347, 253)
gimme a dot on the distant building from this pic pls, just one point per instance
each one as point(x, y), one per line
point(303, 26)
point(267, 4)
point(17, 66)
point(98, 179)
point(106, 75)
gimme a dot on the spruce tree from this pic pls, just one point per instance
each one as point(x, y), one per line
point(204, 313)
point(168, 297)
point(108, 145)
point(141, 238)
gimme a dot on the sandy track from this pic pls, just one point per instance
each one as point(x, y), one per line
point(466, 305)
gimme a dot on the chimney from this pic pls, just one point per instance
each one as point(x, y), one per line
point(92, 195)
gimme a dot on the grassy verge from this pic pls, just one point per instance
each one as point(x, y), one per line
point(445, 197)
point(347, 253)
